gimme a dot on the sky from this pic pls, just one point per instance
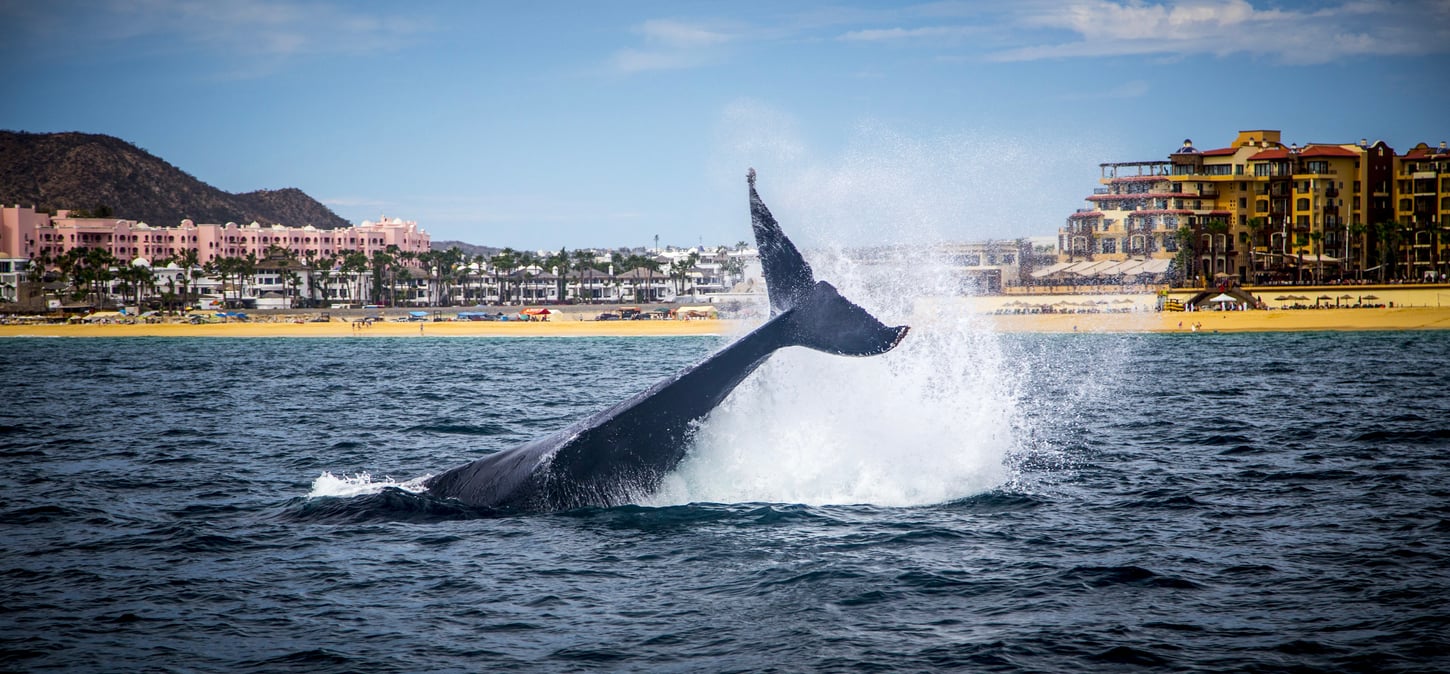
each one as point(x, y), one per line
point(548, 124)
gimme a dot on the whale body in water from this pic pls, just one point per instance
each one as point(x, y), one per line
point(622, 453)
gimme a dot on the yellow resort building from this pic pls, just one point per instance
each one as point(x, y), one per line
point(1265, 213)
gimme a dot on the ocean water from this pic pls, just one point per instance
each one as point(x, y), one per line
point(972, 502)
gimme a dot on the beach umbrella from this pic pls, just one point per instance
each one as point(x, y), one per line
point(1283, 298)
point(1369, 297)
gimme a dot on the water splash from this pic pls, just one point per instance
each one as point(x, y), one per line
point(927, 423)
point(361, 484)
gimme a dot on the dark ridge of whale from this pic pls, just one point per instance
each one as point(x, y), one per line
point(621, 454)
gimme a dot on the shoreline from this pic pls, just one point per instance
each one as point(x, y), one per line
point(336, 329)
point(1273, 320)
point(1292, 320)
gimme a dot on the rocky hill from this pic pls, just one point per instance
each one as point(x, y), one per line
point(104, 175)
point(469, 249)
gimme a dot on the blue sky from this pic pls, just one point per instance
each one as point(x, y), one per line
point(546, 124)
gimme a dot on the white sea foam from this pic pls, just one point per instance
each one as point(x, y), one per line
point(927, 423)
point(361, 484)
point(932, 421)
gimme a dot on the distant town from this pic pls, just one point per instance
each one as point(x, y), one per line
point(1255, 212)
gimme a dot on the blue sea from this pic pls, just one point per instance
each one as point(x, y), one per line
point(969, 502)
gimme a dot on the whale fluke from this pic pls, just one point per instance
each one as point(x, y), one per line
point(787, 275)
point(622, 453)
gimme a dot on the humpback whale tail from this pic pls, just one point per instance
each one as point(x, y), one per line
point(625, 450)
point(819, 317)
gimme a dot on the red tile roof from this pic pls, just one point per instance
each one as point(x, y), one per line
point(1277, 153)
point(1425, 153)
point(1327, 151)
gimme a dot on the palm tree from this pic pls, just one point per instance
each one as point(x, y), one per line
point(135, 279)
point(1387, 236)
point(218, 268)
point(355, 263)
point(380, 263)
point(35, 272)
point(526, 260)
point(473, 275)
point(1357, 230)
point(1187, 253)
point(652, 266)
point(1256, 227)
point(188, 260)
point(246, 271)
point(309, 264)
point(97, 264)
point(331, 265)
point(448, 263)
point(502, 264)
point(1317, 238)
point(558, 264)
point(680, 271)
point(583, 262)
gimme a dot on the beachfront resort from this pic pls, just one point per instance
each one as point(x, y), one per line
point(1265, 213)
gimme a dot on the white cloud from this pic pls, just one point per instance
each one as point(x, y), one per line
point(630, 61)
point(1133, 27)
point(673, 45)
point(251, 37)
point(682, 35)
point(905, 34)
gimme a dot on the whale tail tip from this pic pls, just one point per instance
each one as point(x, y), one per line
point(821, 318)
point(826, 321)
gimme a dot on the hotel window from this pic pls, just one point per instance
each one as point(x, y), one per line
point(1110, 245)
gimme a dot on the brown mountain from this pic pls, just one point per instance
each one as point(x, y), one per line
point(107, 175)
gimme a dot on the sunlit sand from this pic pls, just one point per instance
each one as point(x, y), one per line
point(1408, 318)
point(335, 328)
point(1415, 308)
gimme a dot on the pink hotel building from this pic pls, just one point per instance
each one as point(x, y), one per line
point(26, 234)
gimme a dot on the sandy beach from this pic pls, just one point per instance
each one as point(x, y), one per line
point(337, 328)
point(1406, 308)
point(1407, 318)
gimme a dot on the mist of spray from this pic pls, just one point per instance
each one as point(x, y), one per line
point(933, 421)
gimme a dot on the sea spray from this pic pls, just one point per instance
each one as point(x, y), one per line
point(929, 422)
point(346, 486)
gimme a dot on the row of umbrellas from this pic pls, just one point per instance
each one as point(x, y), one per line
point(1087, 303)
point(1301, 298)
